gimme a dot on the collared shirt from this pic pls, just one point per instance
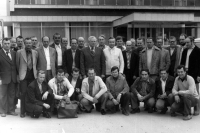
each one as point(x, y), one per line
point(47, 55)
point(172, 51)
point(149, 57)
point(128, 55)
point(113, 57)
point(73, 56)
point(92, 49)
point(163, 84)
point(40, 87)
point(8, 53)
point(73, 82)
point(59, 52)
point(188, 56)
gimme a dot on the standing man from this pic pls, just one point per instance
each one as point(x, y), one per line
point(64, 43)
point(35, 43)
point(26, 60)
point(13, 43)
point(150, 59)
point(92, 57)
point(133, 44)
point(118, 92)
point(71, 58)
point(120, 43)
point(102, 42)
point(47, 59)
point(94, 92)
point(8, 76)
point(81, 43)
point(184, 94)
point(182, 39)
point(114, 57)
point(131, 63)
point(20, 43)
point(140, 46)
point(175, 52)
point(165, 57)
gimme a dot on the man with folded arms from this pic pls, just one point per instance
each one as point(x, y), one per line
point(118, 91)
point(184, 94)
point(94, 92)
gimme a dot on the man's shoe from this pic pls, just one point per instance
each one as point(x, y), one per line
point(3, 115)
point(103, 112)
point(164, 111)
point(133, 111)
point(188, 117)
point(196, 113)
point(125, 112)
point(173, 114)
point(12, 113)
point(150, 110)
point(47, 115)
point(22, 115)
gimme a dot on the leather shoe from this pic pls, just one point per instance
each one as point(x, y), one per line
point(3, 115)
point(12, 113)
point(173, 114)
point(164, 111)
point(22, 115)
point(196, 113)
point(133, 111)
point(47, 115)
point(103, 112)
point(125, 112)
point(188, 117)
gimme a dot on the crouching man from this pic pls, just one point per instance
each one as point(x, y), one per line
point(184, 94)
point(39, 98)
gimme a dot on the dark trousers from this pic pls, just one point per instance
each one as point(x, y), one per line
point(48, 75)
point(102, 101)
point(185, 104)
point(7, 96)
point(23, 88)
point(162, 104)
point(149, 103)
point(124, 101)
point(129, 77)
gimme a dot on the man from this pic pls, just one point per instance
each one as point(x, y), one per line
point(59, 50)
point(133, 44)
point(102, 40)
point(118, 91)
point(47, 59)
point(13, 43)
point(8, 76)
point(174, 51)
point(76, 82)
point(120, 43)
point(20, 43)
point(94, 92)
point(62, 89)
point(92, 56)
point(39, 97)
point(114, 57)
point(165, 57)
point(64, 43)
point(164, 86)
point(131, 63)
point(140, 46)
point(150, 59)
point(81, 43)
point(143, 90)
point(71, 58)
point(26, 60)
point(184, 94)
point(182, 39)
point(35, 43)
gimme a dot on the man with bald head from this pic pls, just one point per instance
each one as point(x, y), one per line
point(131, 63)
point(92, 57)
point(81, 43)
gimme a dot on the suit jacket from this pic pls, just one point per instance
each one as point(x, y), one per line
point(165, 59)
point(34, 95)
point(42, 63)
point(134, 64)
point(87, 60)
point(21, 61)
point(168, 87)
point(155, 62)
point(194, 62)
point(78, 85)
point(8, 69)
point(68, 60)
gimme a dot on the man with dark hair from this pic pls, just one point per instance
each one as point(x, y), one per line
point(102, 42)
point(94, 92)
point(120, 43)
point(143, 90)
point(26, 60)
point(184, 94)
point(164, 86)
point(20, 43)
point(39, 98)
point(71, 58)
point(35, 43)
point(13, 44)
point(182, 38)
point(8, 79)
point(118, 91)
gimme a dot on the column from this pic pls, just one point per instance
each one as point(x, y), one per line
point(67, 34)
point(129, 31)
point(16, 29)
point(198, 30)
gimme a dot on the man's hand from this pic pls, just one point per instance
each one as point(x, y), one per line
point(44, 97)
point(78, 90)
point(177, 99)
point(0, 82)
point(95, 100)
point(115, 102)
point(134, 77)
point(140, 98)
point(47, 106)
point(102, 76)
point(66, 75)
point(119, 97)
point(163, 96)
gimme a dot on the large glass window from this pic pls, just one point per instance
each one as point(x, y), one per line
point(110, 2)
point(167, 2)
point(62, 2)
point(23, 2)
point(147, 2)
point(74, 2)
point(123, 2)
point(190, 2)
point(156, 2)
point(197, 2)
point(91, 2)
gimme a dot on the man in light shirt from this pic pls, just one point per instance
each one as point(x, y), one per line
point(114, 57)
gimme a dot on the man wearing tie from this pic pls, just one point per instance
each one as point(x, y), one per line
point(26, 60)
point(8, 79)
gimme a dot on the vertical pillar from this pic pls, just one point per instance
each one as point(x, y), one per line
point(198, 30)
point(67, 35)
point(129, 31)
point(16, 29)
point(133, 31)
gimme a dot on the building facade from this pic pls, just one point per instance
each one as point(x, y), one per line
point(128, 18)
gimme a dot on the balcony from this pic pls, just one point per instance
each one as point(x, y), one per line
point(174, 3)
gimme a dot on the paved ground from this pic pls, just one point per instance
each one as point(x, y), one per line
point(96, 123)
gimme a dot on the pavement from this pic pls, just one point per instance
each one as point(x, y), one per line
point(94, 122)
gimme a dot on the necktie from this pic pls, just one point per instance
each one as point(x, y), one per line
point(92, 51)
point(8, 55)
point(29, 60)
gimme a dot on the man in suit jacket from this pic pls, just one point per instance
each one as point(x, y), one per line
point(8, 79)
point(59, 50)
point(26, 60)
point(131, 63)
point(164, 86)
point(47, 59)
point(71, 58)
point(174, 51)
point(92, 57)
point(39, 98)
point(150, 59)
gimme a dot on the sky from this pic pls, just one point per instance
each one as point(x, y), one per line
point(2, 7)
